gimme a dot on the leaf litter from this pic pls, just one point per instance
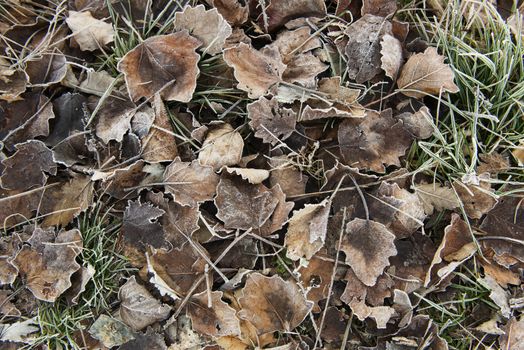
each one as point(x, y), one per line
point(268, 205)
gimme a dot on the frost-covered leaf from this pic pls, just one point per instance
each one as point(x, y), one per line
point(222, 146)
point(211, 316)
point(89, 33)
point(111, 332)
point(270, 120)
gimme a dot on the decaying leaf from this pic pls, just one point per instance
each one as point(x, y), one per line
point(222, 146)
point(306, 232)
point(391, 55)
point(436, 197)
point(49, 68)
point(514, 335)
point(253, 176)
point(89, 33)
point(28, 166)
point(138, 308)
point(48, 264)
point(13, 82)
point(374, 141)
point(232, 10)
point(111, 332)
point(19, 332)
point(190, 183)
point(497, 294)
point(368, 245)
point(164, 64)
point(256, 72)
point(150, 341)
point(211, 316)
point(270, 120)
point(242, 205)
point(426, 73)
point(206, 25)
point(278, 12)
point(114, 116)
point(272, 304)
point(363, 47)
point(381, 8)
point(315, 278)
point(419, 124)
point(476, 199)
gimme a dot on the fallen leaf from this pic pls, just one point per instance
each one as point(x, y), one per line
point(211, 316)
point(79, 281)
point(89, 33)
point(270, 121)
point(476, 199)
point(306, 233)
point(497, 294)
point(28, 166)
point(368, 245)
point(316, 278)
point(232, 10)
point(253, 176)
point(436, 197)
point(391, 55)
point(514, 335)
point(419, 124)
point(190, 183)
point(138, 308)
point(164, 64)
point(149, 341)
point(382, 8)
point(279, 12)
point(222, 146)
point(373, 141)
point(272, 304)
point(206, 25)
point(7, 308)
point(280, 216)
point(47, 69)
point(426, 73)
point(256, 72)
point(242, 205)
point(111, 332)
point(113, 119)
point(49, 263)
point(363, 47)
point(13, 82)
point(19, 332)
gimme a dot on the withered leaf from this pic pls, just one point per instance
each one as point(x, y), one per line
point(272, 304)
point(149, 341)
point(138, 308)
point(368, 245)
point(13, 82)
point(514, 334)
point(382, 8)
point(114, 115)
point(476, 199)
point(426, 73)
point(391, 55)
point(374, 141)
point(206, 25)
point(166, 64)
point(436, 197)
point(253, 176)
point(27, 168)
point(111, 332)
point(419, 124)
point(49, 68)
point(222, 146)
point(306, 232)
point(363, 47)
point(271, 121)
point(216, 319)
point(280, 215)
point(242, 205)
point(315, 278)
point(48, 264)
point(89, 33)
point(279, 12)
point(232, 10)
point(256, 72)
point(190, 183)
point(140, 226)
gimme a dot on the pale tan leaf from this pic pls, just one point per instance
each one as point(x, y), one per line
point(89, 33)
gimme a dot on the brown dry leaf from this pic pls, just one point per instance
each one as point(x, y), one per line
point(315, 278)
point(368, 245)
point(138, 308)
point(391, 55)
point(7, 308)
point(426, 73)
point(506, 219)
point(179, 268)
point(120, 182)
point(208, 26)
point(149, 341)
point(279, 12)
point(476, 199)
point(232, 10)
point(242, 205)
point(497, 294)
point(419, 124)
point(306, 233)
point(89, 33)
point(374, 141)
point(363, 47)
point(256, 72)
point(253, 176)
point(457, 246)
point(211, 316)
point(9, 247)
point(159, 145)
point(96, 83)
point(500, 274)
point(140, 227)
point(48, 68)
point(284, 173)
point(420, 333)
point(518, 153)
point(514, 335)
point(164, 64)
point(110, 332)
point(79, 281)
point(280, 216)
point(28, 166)
point(113, 119)
point(222, 146)
point(381, 314)
point(492, 163)
point(62, 203)
point(436, 197)
point(189, 182)
point(270, 121)
point(382, 8)
point(13, 82)
point(272, 304)
point(47, 266)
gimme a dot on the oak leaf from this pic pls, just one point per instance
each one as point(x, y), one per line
point(426, 73)
point(164, 64)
